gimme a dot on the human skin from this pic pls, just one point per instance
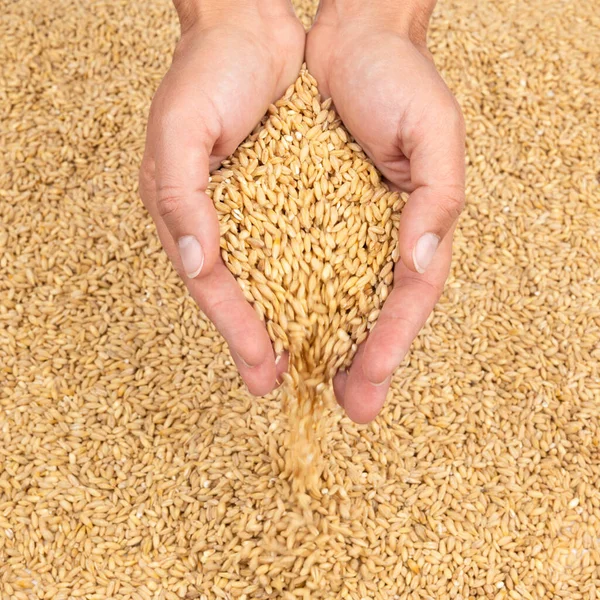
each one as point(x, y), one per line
point(234, 58)
point(372, 59)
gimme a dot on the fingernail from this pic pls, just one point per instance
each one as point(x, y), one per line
point(375, 382)
point(379, 383)
point(424, 251)
point(191, 254)
point(245, 363)
point(373, 376)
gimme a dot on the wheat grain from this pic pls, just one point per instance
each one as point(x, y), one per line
point(320, 304)
point(119, 404)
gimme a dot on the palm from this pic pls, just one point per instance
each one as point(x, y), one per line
point(210, 85)
point(377, 86)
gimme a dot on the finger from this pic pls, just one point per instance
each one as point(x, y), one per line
point(222, 301)
point(435, 147)
point(181, 150)
point(403, 315)
point(362, 400)
point(339, 387)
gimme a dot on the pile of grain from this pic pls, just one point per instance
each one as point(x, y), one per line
point(133, 464)
point(310, 232)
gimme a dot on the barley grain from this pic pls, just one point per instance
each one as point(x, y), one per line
point(329, 294)
point(119, 400)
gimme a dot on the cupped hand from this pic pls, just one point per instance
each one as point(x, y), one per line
point(228, 66)
point(389, 94)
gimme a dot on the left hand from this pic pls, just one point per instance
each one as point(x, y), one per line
point(233, 59)
point(389, 94)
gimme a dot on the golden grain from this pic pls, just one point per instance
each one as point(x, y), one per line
point(340, 295)
point(119, 400)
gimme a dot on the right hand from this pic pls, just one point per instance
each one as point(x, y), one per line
point(232, 61)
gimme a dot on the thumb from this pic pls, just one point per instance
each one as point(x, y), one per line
point(181, 156)
point(437, 171)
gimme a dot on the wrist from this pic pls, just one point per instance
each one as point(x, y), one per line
point(406, 17)
point(211, 13)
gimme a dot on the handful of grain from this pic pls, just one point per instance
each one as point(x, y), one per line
point(310, 233)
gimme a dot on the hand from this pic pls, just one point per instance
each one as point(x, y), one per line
point(233, 59)
point(372, 60)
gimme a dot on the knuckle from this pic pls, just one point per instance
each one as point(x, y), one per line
point(452, 205)
point(431, 288)
point(171, 117)
point(168, 201)
point(436, 287)
point(145, 180)
point(452, 115)
point(167, 111)
point(146, 174)
point(455, 118)
point(399, 321)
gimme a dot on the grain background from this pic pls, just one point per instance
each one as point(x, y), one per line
point(132, 462)
point(309, 231)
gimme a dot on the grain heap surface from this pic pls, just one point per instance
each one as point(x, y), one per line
point(310, 232)
point(133, 464)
